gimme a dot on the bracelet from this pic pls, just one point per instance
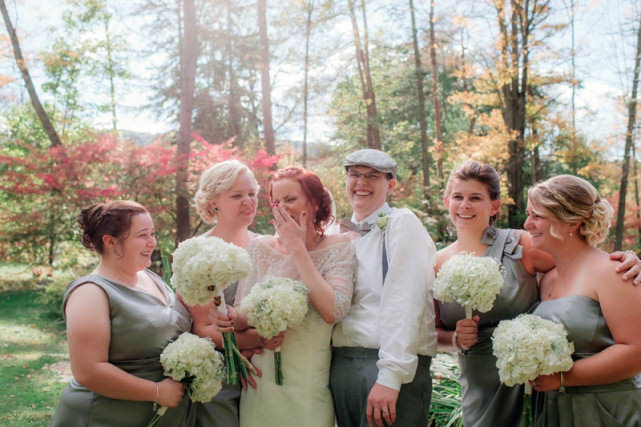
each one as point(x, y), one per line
point(157, 393)
point(454, 336)
point(561, 387)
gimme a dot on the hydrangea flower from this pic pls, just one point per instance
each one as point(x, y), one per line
point(472, 281)
point(275, 304)
point(529, 346)
point(204, 266)
point(272, 306)
point(195, 361)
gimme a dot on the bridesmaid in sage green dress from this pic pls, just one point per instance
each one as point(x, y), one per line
point(119, 319)
point(472, 198)
point(567, 218)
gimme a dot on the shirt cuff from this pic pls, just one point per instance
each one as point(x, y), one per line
point(389, 379)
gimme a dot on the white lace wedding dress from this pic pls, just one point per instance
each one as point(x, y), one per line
point(304, 399)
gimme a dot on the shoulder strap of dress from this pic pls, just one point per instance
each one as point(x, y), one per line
point(497, 249)
point(92, 278)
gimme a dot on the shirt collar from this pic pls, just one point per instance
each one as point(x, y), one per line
point(371, 219)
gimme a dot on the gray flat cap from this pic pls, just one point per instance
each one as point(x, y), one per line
point(374, 159)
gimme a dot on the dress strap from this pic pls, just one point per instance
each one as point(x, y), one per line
point(502, 243)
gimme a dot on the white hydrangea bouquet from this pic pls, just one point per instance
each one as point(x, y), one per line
point(529, 346)
point(272, 306)
point(194, 361)
point(471, 281)
point(203, 267)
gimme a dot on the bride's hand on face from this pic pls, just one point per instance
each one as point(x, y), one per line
point(290, 232)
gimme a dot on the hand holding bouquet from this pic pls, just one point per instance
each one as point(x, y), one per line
point(272, 306)
point(195, 362)
point(472, 281)
point(203, 267)
point(529, 346)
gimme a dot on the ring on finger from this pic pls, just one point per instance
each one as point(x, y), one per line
point(384, 411)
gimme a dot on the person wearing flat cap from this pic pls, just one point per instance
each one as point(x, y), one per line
point(382, 349)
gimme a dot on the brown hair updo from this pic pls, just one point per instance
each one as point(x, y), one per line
point(111, 218)
point(313, 189)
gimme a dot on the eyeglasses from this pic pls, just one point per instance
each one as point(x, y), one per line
point(368, 176)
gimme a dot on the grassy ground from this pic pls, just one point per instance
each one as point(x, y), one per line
point(33, 357)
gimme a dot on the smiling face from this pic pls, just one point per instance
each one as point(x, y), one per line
point(367, 190)
point(237, 205)
point(288, 194)
point(545, 229)
point(138, 243)
point(470, 205)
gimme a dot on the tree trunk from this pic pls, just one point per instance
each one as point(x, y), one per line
point(625, 167)
point(24, 71)
point(112, 73)
point(268, 127)
point(189, 53)
point(308, 33)
point(514, 47)
point(437, 105)
point(234, 102)
point(636, 190)
point(418, 71)
point(362, 60)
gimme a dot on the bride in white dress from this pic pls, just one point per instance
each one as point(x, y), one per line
point(326, 265)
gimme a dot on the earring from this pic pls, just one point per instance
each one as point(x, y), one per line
point(570, 234)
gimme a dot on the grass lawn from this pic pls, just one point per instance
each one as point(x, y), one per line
point(33, 359)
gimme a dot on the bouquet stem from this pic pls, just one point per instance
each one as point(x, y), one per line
point(157, 414)
point(229, 340)
point(278, 370)
point(527, 419)
point(468, 312)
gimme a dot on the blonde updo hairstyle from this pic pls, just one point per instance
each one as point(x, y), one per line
point(573, 199)
point(216, 180)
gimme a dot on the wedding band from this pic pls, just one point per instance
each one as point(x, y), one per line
point(383, 411)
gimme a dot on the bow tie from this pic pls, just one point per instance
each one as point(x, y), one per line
point(362, 229)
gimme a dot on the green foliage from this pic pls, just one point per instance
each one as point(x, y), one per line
point(445, 406)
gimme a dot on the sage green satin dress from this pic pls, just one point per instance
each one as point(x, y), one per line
point(610, 405)
point(486, 402)
point(141, 327)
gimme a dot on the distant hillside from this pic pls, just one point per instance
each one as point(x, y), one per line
point(142, 138)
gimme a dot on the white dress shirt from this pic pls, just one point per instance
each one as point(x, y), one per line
point(396, 317)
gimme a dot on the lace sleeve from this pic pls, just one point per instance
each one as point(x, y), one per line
point(257, 250)
point(340, 272)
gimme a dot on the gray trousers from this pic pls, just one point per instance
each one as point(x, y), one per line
point(354, 373)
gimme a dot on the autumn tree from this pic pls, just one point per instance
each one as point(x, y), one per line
point(632, 102)
point(189, 54)
point(361, 45)
point(265, 80)
point(422, 119)
point(26, 76)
